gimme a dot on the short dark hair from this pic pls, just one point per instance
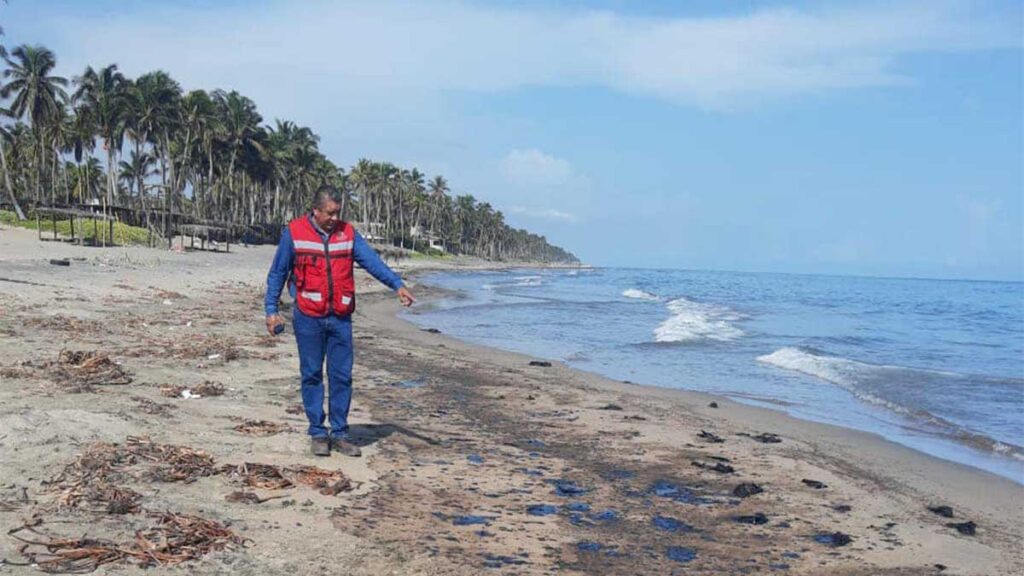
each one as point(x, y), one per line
point(325, 193)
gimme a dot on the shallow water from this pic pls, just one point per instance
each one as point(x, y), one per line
point(933, 364)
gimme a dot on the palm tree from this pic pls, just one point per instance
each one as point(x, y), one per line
point(102, 93)
point(153, 112)
point(135, 171)
point(438, 190)
point(3, 155)
point(81, 137)
point(201, 127)
point(38, 95)
point(86, 178)
point(241, 131)
point(6, 137)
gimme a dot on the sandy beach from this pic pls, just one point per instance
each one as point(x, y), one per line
point(474, 460)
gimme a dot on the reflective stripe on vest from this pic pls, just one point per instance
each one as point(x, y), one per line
point(339, 246)
point(314, 296)
point(307, 245)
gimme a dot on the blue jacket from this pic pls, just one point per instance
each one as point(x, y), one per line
point(284, 259)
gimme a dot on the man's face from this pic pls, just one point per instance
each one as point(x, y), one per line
point(326, 215)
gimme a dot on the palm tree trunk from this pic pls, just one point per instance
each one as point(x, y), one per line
point(7, 184)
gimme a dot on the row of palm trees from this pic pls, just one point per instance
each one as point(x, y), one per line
point(146, 144)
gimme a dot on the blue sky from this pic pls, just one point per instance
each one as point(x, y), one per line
point(877, 138)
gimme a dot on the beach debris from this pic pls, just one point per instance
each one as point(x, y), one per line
point(944, 511)
point(567, 488)
point(680, 554)
point(666, 489)
point(746, 489)
point(256, 475)
point(834, 539)
point(578, 507)
point(540, 363)
point(719, 467)
point(207, 388)
point(105, 463)
point(541, 509)
point(261, 428)
point(614, 407)
point(670, 524)
point(15, 505)
point(295, 409)
point(64, 323)
point(432, 330)
point(170, 463)
point(413, 383)
point(764, 438)
point(101, 496)
point(153, 408)
point(756, 519)
point(470, 520)
point(194, 346)
point(475, 459)
point(605, 516)
point(842, 508)
point(968, 528)
point(499, 561)
point(713, 405)
point(168, 295)
point(60, 262)
point(243, 497)
point(81, 370)
point(326, 482)
point(815, 484)
point(174, 539)
point(588, 546)
point(710, 437)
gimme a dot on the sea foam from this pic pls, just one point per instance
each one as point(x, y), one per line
point(858, 377)
point(640, 295)
point(696, 321)
point(842, 372)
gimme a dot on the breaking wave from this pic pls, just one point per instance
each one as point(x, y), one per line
point(640, 295)
point(527, 281)
point(906, 391)
point(696, 321)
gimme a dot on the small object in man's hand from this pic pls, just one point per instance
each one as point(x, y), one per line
point(278, 328)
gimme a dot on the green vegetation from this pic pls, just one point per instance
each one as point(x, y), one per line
point(123, 233)
point(145, 144)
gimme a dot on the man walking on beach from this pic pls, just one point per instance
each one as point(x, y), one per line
point(316, 256)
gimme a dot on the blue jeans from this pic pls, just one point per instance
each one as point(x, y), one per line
point(330, 336)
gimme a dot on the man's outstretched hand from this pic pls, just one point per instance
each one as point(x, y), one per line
point(406, 296)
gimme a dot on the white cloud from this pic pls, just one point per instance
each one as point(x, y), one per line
point(544, 213)
point(323, 54)
point(535, 168)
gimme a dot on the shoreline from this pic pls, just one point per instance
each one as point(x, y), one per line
point(864, 445)
point(474, 460)
point(964, 449)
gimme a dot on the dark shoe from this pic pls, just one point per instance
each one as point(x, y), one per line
point(345, 447)
point(320, 446)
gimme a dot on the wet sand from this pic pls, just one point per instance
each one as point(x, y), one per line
point(474, 461)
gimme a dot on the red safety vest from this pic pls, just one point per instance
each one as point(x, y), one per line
point(323, 270)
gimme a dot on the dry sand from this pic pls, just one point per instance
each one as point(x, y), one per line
point(452, 434)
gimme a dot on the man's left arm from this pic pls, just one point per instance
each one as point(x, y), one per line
point(369, 260)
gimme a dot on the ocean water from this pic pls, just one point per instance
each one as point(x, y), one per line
point(936, 365)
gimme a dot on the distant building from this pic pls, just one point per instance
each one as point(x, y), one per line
point(433, 240)
point(373, 231)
